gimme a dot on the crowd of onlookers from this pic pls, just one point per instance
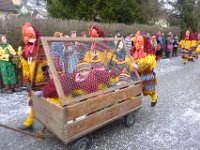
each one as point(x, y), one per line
point(166, 45)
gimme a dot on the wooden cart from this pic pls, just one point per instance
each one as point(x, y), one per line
point(102, 106)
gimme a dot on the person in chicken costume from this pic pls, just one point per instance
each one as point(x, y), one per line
point(198, 46)
point(144, 56)
point(194, 41)
point(185, 45)
point(31, 41)
point(98, 49)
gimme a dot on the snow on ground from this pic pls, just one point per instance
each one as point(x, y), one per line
point(13, 106)
point(173, 124)
point(168, 65)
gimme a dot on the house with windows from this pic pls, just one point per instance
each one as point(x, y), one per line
point(7, 8)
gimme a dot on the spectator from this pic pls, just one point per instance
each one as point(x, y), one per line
point(7, 68)
point(175, 46)
point(160, 41)
point(169, 44)
point(128, 41)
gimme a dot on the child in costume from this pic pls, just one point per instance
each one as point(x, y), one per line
point(31, 41)
point(7, 68)
point(145, 57)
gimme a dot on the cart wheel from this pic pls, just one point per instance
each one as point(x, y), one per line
point(129, 120)
point(82, 144)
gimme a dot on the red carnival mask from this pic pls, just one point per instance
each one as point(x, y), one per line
point(139, 45)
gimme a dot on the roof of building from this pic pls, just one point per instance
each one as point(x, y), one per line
point(7, 5)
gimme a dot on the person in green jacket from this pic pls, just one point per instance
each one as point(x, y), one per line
point(7, 68)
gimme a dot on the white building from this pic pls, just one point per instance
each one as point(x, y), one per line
point(7, 8)
point(35, 7)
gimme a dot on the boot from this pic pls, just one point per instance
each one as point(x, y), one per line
point(28, 123)
point(153, 103)
point(154, 100)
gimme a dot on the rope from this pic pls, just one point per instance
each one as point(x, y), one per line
point(40, 135)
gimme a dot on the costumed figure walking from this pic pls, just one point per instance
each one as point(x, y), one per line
point(198, 46)
point(31, 41)
point(144, 56)
point(185, 45)
point(193, 52)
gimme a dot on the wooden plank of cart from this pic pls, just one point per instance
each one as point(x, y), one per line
point(103, 106)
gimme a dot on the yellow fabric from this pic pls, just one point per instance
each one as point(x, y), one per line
point(102, 56)
point(198, 49)
point(193, 43)
point(30, 119)
point(57, 100)
point(149, 92)
point(185, 44)
point(102, 87)
point(113, 80)
point(127, 61)
point(3, 55)
point(78, 92)
point(19, 52)
point(147, 63)
point(154, 98)
point(28, 70)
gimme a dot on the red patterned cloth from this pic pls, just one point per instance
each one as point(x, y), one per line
point(49, 89)
point(90, 84)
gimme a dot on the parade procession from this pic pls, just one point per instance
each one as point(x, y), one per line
point(85, 87)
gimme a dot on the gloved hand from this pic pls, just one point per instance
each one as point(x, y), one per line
point(39, 93)
point(135, 66)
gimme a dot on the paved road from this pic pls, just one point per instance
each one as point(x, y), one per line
point(173, 124)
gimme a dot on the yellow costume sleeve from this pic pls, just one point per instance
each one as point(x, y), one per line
point(12, 51)
point(19, 52)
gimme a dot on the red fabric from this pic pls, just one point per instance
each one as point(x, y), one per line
point(99, 31)
point(115, 72)
point(49, 89)
point(148, 47)
point(158, 47)
point(194, 36)
point(90, 84)
point(139, 54)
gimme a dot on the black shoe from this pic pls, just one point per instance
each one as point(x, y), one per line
point(28, 128)
point(153, 103)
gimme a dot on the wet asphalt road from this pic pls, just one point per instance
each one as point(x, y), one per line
point(173, 124)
